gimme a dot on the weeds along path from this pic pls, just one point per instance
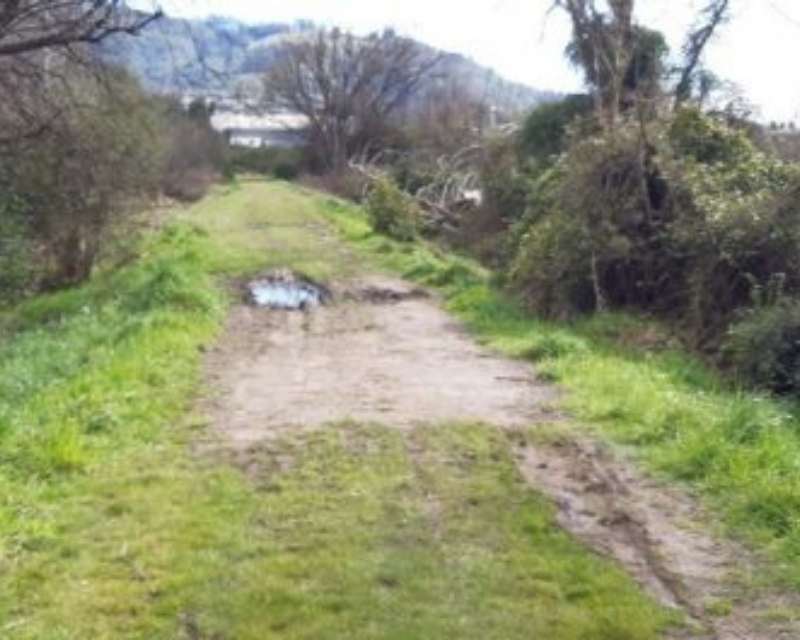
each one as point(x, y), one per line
point(384, 353)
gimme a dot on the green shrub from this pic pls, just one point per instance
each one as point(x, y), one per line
point(590, 228)
point(391, 211)
point(705, 139)
point(544, 132)
point(18, 268)
point(687, 220)
point(285, 170)
point(763, 349)
point(281, 163)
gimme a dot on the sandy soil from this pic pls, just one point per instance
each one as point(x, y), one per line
point(385, 352)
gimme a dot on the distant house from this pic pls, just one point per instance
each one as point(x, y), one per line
point(271, 130)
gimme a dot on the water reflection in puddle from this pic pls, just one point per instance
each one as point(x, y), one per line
point(285, 294)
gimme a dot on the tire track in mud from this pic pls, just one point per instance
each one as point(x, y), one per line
point(659, 535)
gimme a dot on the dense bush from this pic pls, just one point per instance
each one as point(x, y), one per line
point(280, 163)
point(392, 211)
point(18, 269)
point(85, 171)
point(594, 232)
point(763, 348)
point(688, 221)
point(544, 132)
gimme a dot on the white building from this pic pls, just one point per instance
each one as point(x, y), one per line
point(269, 130)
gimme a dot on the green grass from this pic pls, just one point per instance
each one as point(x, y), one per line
point(111, 528)
point(372, 534)
point(626, 380)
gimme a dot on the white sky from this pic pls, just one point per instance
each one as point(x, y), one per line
point(759, 50)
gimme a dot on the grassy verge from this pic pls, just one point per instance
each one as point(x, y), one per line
point(740, 450)
point(111, 528)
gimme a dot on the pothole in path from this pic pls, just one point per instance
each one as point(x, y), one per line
point(286, 290)
point(283, 289)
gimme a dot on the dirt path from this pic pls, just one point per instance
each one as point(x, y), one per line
point(659, 535)
point(384, 352)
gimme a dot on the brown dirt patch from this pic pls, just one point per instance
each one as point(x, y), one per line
point(383, 353)
point(659, 535)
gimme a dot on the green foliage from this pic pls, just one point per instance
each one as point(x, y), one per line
point(391, 211)
point(18, 269)
point(280, 163)
point(763, 348)
point(545, 129)
point(589, 228)
point(504, 183)
point(737, 220)
point(685, 219)
point(547, 273)
point(706, 140)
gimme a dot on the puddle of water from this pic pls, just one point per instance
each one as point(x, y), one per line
point(288, 295)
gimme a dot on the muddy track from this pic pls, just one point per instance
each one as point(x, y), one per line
point(384, 352)
point(659, 535)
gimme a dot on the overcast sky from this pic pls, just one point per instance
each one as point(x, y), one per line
point(759, 50)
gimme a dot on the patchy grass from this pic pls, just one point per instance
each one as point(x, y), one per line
point(110, 528)
point(374, 534)
point(626, 379)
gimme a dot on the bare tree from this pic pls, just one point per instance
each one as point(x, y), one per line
point(77, 144)
point(347, 86)
point(37, 38)
point(447, 115)
point(83, 173)
point(711, 17)
point(33, 25)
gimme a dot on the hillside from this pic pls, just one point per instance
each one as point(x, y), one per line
point(224, 56)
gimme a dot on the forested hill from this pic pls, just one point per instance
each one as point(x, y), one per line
point(182, 55)
point(224, 55)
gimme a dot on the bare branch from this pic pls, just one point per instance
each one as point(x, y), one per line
point(33, 25)
point(712, 16)
point(447, 193)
